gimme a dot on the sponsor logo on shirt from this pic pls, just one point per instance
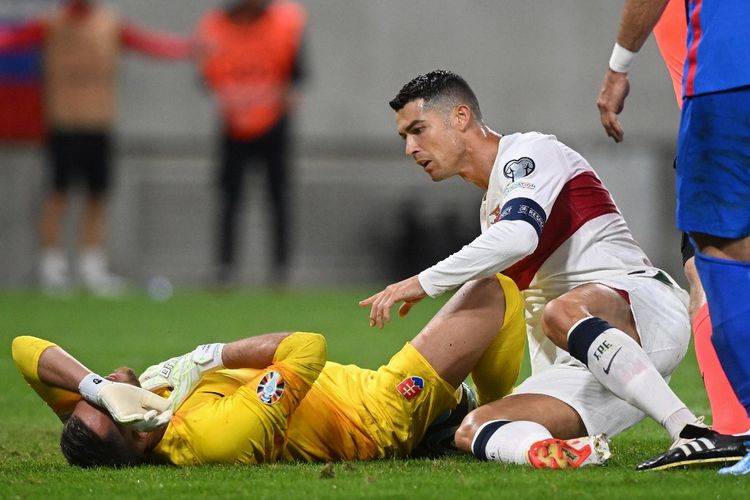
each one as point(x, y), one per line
point(505, 213)
point(533, 214)
point(530, 186)
point(410, 387)
point(516, 169)
point(271, 388)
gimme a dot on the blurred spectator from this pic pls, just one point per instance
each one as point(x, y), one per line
point(81, 43)
point(250, 59)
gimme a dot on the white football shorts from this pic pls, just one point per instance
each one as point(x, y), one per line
point(661, 317)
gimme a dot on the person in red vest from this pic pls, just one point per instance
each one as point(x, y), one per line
point(249, 54)
point(81, 43)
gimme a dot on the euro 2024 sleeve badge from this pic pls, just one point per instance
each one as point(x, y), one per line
point(271, 388)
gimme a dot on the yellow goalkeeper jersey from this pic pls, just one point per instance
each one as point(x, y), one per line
point(302, 407)
point(349, 413)
point(253, 416)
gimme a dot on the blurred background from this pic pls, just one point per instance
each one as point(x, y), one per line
point(361, 211)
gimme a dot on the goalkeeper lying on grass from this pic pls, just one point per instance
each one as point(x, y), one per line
point(232, 403)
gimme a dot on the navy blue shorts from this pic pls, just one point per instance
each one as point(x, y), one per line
point(713, 165)
point(80, 157)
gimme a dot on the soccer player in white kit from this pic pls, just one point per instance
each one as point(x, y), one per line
point(606, 329)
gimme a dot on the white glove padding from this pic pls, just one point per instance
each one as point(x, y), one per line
point(133, 406)
point(183, 373)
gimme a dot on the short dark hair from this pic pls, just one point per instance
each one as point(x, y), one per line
point(437, 85)
point(84, 448)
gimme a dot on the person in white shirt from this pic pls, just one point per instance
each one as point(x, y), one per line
point(606, 328)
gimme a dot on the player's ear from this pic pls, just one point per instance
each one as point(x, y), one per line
point(142, 442)
point(139, 438)
point(461, 116)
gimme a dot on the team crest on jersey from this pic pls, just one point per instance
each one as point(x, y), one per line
point(516, 169)
point(410, 387)
point(271, 388)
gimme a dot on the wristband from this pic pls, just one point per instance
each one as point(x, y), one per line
point(209, 357)
point(91, 386)
point(621, 59)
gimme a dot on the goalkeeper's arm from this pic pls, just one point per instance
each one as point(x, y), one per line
point(126, 403)
point(182, 374)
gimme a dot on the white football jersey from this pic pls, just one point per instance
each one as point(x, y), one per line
point(548, 223)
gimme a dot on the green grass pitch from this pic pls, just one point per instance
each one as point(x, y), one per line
point(137, 332)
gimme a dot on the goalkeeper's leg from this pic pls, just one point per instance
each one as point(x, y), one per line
point(498, 368)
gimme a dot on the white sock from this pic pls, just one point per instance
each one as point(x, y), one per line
point(506, 441)
point(53, 266)
point(93, 262)
point(623, 367)
point(677, 421)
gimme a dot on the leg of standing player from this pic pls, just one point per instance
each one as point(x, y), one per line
point(276, 154)
point(714, 213)
point(54, 274)
point(95, 162)
point(727, 414)
point(230, 189)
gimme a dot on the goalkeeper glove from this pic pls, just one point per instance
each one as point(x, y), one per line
point(128, 404)
point(182, 373)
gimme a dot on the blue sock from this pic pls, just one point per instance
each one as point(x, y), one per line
point(727, 286)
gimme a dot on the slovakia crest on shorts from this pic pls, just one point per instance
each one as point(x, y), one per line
point(271, 388)
point(410, 387)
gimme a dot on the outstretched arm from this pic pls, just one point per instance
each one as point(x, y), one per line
point(156, 44)
point(22, 36)
point(409, 291)
point(488, 254)
point(638, 19)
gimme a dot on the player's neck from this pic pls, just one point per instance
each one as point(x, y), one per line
point(149, 440)
point(481, 157)
point(79, 9)
point(244, 15)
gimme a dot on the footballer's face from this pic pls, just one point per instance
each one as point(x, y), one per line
point(430, 138)
point(99, 421)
